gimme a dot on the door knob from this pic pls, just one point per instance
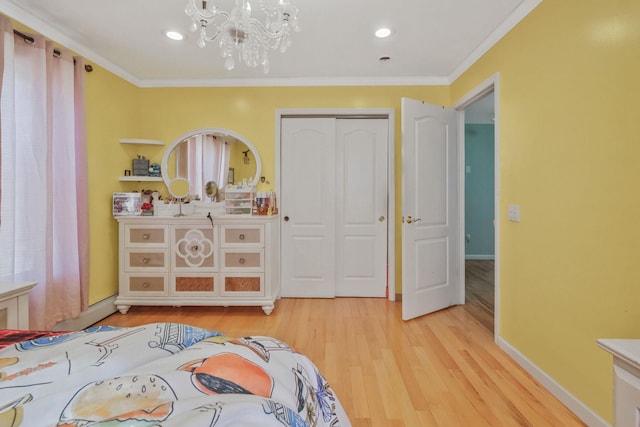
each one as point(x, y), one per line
point(286, 218)
point(411, 220)
point(381, 218)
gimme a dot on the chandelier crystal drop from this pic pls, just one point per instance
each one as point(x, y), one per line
point(241, 36)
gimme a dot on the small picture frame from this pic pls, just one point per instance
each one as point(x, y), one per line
point(231, 177)
point(127, 204)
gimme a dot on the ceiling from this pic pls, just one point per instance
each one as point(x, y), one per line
point(433, 41)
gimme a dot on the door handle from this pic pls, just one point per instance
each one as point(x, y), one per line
point(381, 218)
point(410, 220)
point(286, 218)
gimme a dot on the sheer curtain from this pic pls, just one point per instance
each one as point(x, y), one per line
point(202, 158)
point(215, 160)
point(44, 208)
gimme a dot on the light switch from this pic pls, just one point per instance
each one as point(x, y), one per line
point(468, 169)
point(514, 213)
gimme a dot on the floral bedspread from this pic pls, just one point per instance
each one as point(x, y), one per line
point(162, 374)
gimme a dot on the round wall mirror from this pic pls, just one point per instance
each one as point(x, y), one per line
point(208, 155)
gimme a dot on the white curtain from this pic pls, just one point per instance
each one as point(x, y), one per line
point(44, 209)
point(215, 160)
point(202, 158)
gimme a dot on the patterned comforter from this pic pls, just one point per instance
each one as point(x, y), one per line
point(162, 374)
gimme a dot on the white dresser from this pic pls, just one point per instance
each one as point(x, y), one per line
point(193, 260)
point(14, 304)
point(626, 381)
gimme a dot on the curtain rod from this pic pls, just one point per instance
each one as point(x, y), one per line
point(28, 39)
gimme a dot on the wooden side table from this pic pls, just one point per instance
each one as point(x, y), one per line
point(14, 304)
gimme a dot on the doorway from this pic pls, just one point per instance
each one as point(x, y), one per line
point(479, 154)
point(479, 196)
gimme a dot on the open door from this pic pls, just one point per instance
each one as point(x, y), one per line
point(429, 208)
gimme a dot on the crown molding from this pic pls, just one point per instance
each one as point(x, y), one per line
point(512, 20)
point(14, 11)
point(306, 81)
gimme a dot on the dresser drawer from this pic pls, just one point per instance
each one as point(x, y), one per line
point(201, 284)
point(137, 235)
point(136, 260)
point(234, 236)
point(239, 260)
point(247, 284)
point(194, 249)
point(146, 284)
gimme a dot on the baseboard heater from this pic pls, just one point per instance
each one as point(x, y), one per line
point(94, 313)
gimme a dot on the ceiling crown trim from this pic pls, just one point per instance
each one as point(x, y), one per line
point(22, 16)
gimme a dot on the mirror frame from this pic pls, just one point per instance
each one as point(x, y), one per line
point(165, 157)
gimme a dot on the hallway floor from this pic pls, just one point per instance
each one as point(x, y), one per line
point(480, 291)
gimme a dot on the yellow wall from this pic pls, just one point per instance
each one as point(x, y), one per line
point(570, 157)
point(111, 115)
point(167, 113)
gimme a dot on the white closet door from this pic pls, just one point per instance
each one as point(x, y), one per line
point(307, 207)
point(361, 207)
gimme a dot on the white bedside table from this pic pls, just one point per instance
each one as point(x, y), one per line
point(14, 304)
point(626, 382)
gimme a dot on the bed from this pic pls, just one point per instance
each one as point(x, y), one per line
point(159, 374)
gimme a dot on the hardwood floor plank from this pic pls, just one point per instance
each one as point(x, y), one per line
point(374, 400)
point(480, 290)
point(442, 369)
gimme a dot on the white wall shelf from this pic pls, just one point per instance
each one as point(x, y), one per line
point(140, 141)
point(140, 178)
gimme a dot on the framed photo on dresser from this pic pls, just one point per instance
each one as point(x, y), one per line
point(127, 204)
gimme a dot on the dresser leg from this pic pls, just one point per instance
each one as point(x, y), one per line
point(268, 309)
point(123, 308)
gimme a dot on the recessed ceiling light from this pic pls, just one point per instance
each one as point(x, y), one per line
point(383, 32)
point(174, 35)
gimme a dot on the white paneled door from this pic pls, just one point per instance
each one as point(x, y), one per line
point(333, 206)
point(361, 207)
point(429, 208)
point(307, 207)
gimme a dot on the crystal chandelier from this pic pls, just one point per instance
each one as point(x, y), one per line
point(238, 33)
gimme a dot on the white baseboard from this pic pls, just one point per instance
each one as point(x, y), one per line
point(480, 257)
point(95, 313)
point(570, 401)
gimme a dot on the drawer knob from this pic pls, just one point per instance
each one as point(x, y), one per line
point(241, 237)
point(146, 236)
point(145, 260)
point(241, 260)
point(146, 285)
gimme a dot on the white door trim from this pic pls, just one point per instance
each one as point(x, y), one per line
point(492, 84)
point(389, 114)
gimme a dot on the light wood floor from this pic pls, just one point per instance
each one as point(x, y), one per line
point(438, 370)
point(480, 290)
